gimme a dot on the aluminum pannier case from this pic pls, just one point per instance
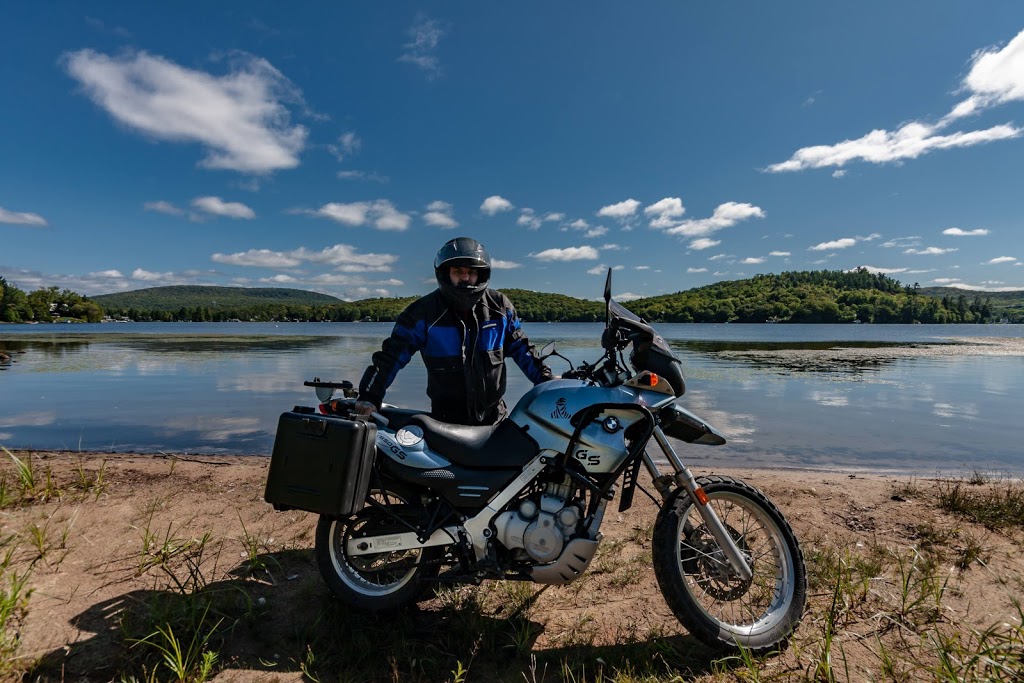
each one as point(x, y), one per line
point(320, 464)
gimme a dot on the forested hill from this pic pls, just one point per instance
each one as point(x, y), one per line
point(826, 296)
point(192, 296)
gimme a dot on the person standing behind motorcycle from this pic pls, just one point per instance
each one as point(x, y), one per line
point(463, 330)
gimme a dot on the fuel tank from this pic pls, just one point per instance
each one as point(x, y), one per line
point(546, 412)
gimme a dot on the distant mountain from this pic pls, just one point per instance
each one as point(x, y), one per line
point(194, 296)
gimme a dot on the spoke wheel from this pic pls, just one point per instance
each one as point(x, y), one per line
point(380, 582)
point(710, 599)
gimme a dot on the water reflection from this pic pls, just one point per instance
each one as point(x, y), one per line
point(854, 358)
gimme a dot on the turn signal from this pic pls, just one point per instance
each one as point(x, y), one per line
point(702, 497)
point(650, 379)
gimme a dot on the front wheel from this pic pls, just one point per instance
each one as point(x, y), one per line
point(705, 594)
point(382, 582)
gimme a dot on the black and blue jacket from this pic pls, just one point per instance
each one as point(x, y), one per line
point(464, 352)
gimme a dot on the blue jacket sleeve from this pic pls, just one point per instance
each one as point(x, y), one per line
point(407, 337)
point(519, 348)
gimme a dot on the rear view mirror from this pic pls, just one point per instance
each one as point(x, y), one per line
point(547, 350)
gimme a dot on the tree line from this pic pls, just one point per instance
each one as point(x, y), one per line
point(791, 297)
point(47, 304)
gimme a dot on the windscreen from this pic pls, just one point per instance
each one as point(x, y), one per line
point(650, 352)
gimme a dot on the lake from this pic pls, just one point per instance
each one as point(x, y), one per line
point(899, 398)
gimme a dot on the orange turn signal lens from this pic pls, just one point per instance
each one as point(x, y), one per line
point(702, 497)
point(650, 379)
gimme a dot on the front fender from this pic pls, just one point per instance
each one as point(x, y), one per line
point(680, 423)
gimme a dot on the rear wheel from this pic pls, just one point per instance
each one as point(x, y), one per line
point(384, 581)
point(706, 595)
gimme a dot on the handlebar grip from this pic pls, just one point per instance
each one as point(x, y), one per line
point(380, 418)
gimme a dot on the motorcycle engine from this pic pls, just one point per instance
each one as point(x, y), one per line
point(540, 527)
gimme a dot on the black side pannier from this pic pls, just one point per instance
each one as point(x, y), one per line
point(320, 464)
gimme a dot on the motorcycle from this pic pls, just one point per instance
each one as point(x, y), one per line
point(427, 502)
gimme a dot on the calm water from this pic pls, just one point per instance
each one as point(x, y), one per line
point(219, 387)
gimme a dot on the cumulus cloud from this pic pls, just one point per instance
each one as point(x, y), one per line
point(603, 269)
point(15, 218)
point(495, 204)
point(421, 50)
point(621, 211)
point(584, 253)
point(704, 243)
point(364, 175)
point(498, 264)
point(883, 271)
point(834, 244)
point(1001, 259)
point(838, 174)
point(666, 212)
point(778, 253)
point(996, 77)
point(945, 280)
point(348, 144)
point(218, 207)
point(240, 118)
point(379, 213)
point(163, 207)
point(343, 257)
point(579, 224)
point(529, 220)
point(151, 276)
point(957, 232)
point(902, 242)
point(930, 251)
point(696, 270)
point(439, 214)
point(725, 216)
point(752, 260)
point(599, 231)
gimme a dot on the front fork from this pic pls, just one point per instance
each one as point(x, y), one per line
point(684, 478)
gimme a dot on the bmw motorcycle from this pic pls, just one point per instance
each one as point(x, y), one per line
point(431, 502)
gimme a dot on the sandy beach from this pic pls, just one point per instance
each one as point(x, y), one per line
point(108, 544)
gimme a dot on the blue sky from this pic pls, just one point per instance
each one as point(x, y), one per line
point(335, 146)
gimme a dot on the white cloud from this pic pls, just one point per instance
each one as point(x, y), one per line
point(553, 217)
point(343, 257)
point(641, 267)
point(834, 244)
point(665, 212)
point(256, 257)
point(599, 231)
point(1001, 259)
point(996, 77)
point(363, 175)
point(965, 233)
point(628, 296)
point(902, 242)
point(621, 211)
point(602, 269)
point(751, 260)
point(945, 280)
point(579, 224)
point(240, 117)
point(725, 215)
point(883, 271)
point(838, 174)
point(704, 243)
point(218, 207)
point(348, 144)
point(279, 279)
point(163, 207)
point(498, 264)
point(584, 253)
point(528, 219)
point(982, 288)
point(719, 257)
point(15, 218)
point(425, 36)
point(930, 251)
point(779, 253)
point(696, 270)
point(150, 276)
point(611, 247)
point(495, 204)
point(380, 212)
point(439, 214)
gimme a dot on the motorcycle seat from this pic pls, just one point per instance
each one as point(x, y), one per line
point(503, 445)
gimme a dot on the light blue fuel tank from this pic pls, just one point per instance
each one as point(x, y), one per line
point(546, 410)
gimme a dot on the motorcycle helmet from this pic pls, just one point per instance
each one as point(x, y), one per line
point(464, 252)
